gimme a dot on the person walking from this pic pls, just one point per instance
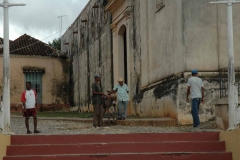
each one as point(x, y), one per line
point(28, 99)
point(196, 88)
point(122, 91)
point(97, 102)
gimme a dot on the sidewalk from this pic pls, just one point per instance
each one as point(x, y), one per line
point(50, 126)
point(160, 122)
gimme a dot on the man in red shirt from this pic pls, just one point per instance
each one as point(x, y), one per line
point(29, 103)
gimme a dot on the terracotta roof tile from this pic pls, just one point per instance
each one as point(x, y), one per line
point(27, 45)
point(1, 40)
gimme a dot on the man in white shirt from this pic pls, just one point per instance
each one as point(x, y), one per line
point(29, 103)
point(195, 85)
point(123, 98)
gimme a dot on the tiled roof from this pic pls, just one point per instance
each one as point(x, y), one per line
point(27, 45)
point(1, 40)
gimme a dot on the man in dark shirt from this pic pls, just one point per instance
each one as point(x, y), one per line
point(97, 102)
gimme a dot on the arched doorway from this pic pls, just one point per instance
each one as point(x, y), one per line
point(122, 53)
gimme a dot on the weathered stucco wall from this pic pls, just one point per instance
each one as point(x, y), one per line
point(181, 36)
point(206, 109)
point(184, 35)
point(221, 112)
point(90, 51)
point(5, 141)
point(168, 99)
point(54, 80)
point(232, 141)
point(161, 42)
point(205, 35)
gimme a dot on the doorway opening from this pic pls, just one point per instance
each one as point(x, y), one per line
point(122, 60)
point(36, 79)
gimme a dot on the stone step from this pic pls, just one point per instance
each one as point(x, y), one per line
point(154, 146)
point(146, 137)
point(109, 148)
point(130, 156)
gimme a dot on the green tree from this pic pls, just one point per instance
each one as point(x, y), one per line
point(56, 43)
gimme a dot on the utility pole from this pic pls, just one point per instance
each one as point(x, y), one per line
point(61, 24)
point(6, 67)
point(232, 94)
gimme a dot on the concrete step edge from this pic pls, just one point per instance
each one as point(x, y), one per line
point(109, 154)
point(103, 143)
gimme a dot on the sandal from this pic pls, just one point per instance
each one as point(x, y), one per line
point(29, 132)
point(36, 131)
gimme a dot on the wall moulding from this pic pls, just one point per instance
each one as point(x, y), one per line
point(113, 5)
point(113, 27)
point(127, 12)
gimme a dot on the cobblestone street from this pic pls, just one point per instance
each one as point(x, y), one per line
point(48, 127)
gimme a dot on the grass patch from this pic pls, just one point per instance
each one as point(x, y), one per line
point(59, 114)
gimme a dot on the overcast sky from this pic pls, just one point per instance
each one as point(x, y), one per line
point(39, 18)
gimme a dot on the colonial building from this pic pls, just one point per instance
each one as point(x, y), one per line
point(153, 45)
point(89, 45)
point(47, 69)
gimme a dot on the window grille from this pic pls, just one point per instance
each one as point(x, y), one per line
point(223, 81)
point(36, 79)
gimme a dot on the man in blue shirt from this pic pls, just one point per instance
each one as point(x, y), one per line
point(123, 98)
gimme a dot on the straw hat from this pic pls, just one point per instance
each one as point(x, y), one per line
point(120, 80)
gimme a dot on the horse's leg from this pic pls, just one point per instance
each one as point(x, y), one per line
point(108, 117)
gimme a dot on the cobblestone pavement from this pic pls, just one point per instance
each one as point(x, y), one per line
point(49, 127)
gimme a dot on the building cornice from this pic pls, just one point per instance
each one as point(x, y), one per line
point(32, 56)
point(124, 14)
point(113, 5)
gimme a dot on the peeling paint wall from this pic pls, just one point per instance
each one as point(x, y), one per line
point(206, 109)
point(168, 99)
point(181, 36)
point(54, 80)
point(88, 42)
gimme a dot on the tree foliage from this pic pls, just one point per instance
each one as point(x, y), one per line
point(56, 43)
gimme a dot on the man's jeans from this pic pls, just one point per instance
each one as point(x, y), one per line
point(122, 109)
point(195, 111)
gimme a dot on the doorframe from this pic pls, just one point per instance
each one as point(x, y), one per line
point(123, 53)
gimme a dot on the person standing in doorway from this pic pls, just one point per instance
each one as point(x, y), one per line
point(196, 88)
point(29, 106)
point(97, 102)
point(122, 91)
